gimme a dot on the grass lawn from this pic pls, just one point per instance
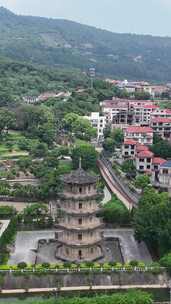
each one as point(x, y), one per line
point(80, 142)
point(65, 166)
point(118, 204)
point(7, 151)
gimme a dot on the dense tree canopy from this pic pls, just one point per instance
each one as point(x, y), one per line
point(88, 155)
point(79, 126)
point(152, 220)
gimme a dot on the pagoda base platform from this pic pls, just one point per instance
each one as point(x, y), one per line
point(50, 252)
point(73, 254)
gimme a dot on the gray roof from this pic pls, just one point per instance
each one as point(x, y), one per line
point(167, 164)
point(79, 177)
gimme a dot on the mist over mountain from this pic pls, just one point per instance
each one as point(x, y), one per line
point(57, 42)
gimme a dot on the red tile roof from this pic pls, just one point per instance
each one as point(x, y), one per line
point(140, 147)
point(158, 161)
point(150, 106)
point(136, 129)
point(161, 119)
point(145, 154)
point(168, 111)
point(129, 142)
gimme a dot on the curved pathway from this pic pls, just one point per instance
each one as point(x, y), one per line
point(129, 199)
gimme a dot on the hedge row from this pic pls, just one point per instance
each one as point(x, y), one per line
point(132, 266)
point(131, 297)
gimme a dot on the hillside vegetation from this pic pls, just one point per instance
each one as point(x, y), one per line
point(70, 44)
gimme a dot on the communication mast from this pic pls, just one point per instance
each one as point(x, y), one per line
point(92, 73)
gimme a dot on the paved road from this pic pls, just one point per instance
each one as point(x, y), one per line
point(18, 206)
point(130, 199)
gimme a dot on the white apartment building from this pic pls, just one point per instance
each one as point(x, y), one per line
point(99, 123)
point(142, 113)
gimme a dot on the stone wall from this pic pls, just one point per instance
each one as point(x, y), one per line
point(10, 281)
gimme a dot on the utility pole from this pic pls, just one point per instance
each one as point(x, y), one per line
point(92, 74)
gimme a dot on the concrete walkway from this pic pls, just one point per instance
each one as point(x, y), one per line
point(107, 196)
point(4, 226)
point(26, 245)
point(82, 288)
point(27, 242)
point(130, 248)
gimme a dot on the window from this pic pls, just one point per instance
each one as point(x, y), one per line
point(148, 167)
point(148, 160)
point(67, 251)
point(92, 250)
point(80, 190)
point(165, 171)
point(80, 237)
point(80, 254)
point(80, 221)
point(141, 167)
point(80, 205)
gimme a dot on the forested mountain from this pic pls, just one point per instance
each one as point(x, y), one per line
point(70, 44)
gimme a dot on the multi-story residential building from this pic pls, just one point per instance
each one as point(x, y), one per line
point(99, 123)
point(129, 148)
point(161, 113)
point(144, 161)
point(142, 112)
point(157, 162)
point(116, 111)
point(143, 135)
point(161, 126)
point(30, 99)
point(136, 86)
point(127, 112)
point(164, 176)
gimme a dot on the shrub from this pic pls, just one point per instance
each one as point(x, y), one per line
point(46, 265)
point(165, 261)
point(114, 212)
point(22, 265)
point(133, 263)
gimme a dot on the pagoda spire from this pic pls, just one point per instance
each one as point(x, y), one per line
point(80, 163)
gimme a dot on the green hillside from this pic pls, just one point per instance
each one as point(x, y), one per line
point(69, 44)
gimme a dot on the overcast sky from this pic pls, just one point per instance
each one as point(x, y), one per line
point(135, 16)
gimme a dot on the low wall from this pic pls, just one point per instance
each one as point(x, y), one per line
point(38, 280)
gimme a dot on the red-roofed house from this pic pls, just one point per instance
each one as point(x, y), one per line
point(144, 161)
point(142, 135)
point(161, 126)
point(129, 148)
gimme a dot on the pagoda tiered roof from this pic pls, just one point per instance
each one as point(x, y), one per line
point(79, 177)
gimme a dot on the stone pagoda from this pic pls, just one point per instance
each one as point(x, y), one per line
point(81, 238)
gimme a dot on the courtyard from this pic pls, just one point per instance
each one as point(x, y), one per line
point(36, 247)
